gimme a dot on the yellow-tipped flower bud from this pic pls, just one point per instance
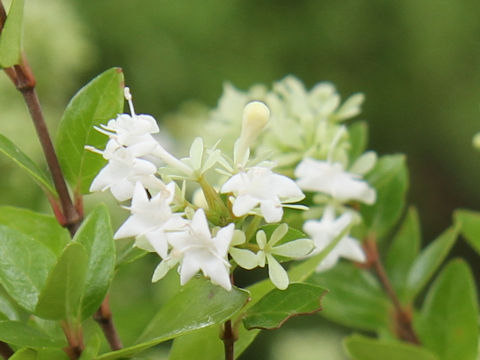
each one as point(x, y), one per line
point(476, 141)
point(255, 117)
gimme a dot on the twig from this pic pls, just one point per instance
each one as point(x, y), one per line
point(104, 318)
point(229, 336)
point(229, 339)
point(26, 85)
point(5, 350)
point(75, 341)
point(403, 317)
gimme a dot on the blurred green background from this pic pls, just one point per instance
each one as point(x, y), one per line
point(418, 62)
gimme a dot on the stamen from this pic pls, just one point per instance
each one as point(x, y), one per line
point(93, 149)
point(128, 97)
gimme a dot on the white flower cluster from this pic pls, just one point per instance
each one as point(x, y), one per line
point(221, 227)
point(210, 239)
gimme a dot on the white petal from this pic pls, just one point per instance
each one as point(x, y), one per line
point(277, 273)
point(243, 204)
point(271, 211)
point(294, 249)
point(223, 239)
point(218, 274)
point(188, 269)
point(158, 240)
point(244, 258)
point(278, 234)
point(199, 223)
point(351, 249)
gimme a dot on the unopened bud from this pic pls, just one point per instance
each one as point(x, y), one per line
point(476, 141)
point(255, 117)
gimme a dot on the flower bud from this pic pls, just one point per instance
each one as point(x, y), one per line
point(255, 117)
point(476, 141)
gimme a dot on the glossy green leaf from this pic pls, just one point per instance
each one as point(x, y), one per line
point(8, 311)
point(199, 304)
point(41, 227)
point(96, 236)
point(403, 251)
point(390, 179)
point(358, 137)
point(127, 252)
point(96, 103)
point(9, 149)
point(469, 224)
point(274, 309)
point(11, 36)
point(24, 354)
point(428, 262)
point(21, 334)
point(24, 267)
point(185, 347)
point(62, 295)
point(355, 299)
point(448, 322)
point(40, 354)
point(364, 348)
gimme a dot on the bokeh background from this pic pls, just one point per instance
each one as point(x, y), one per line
point(418, 62)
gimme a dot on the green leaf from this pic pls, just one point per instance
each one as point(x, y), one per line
point(11, 36)
point(274, 309)
point(41, 227)
point(24, 354)
point(96, 103)
point(358, 136)
point(403, 251)
point(39, 354)
point(355, 299)
point(469, 223)
point(21, 334)
point(199, 304)
point(428, 262)
point(24, 267)
point(390, 179)
point(448, 322)
point(62, 295)
point(14, 153)
point(127, 252)
point(96, 236)
point(364, 348)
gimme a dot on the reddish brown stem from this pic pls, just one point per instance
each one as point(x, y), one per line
point(229, 336)
point(402, 316)
point(75, 340)
point(5, 350)
point(104, 318)
point(26, 85)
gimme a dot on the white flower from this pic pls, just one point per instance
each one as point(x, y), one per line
point(326, 231)
point(202, 252)
point(121, 174)
point(293, 249)
point(261, 186)
point(332, 179)
point(152, 219)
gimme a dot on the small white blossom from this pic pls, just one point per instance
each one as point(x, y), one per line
point(261, 186)
point(291, 249)
point(121, 174)
point(326, 231)
point(152, 219)
point(331, 178)
point(202, 252)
